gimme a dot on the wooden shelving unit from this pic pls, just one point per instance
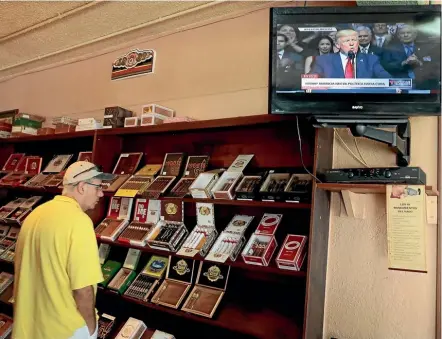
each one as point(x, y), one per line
point(271, 269)
point(260, 302)
point(365, 188)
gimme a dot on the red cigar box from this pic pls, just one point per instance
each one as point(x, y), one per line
point(262, 244)
point(292, 253)
point(12, 162)
point(45, 131)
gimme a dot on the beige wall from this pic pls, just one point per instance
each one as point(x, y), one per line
point(220, 70)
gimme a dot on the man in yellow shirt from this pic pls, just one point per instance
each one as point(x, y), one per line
point(57, 265)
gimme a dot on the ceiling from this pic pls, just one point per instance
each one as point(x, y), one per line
point(38, 34)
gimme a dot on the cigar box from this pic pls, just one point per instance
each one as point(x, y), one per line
point(208, 291)
point(131, 122)
point(14, 179)
point(147, 214)
point(299, 188)
point(23, 131)
point(202, 187)
point(116, 220)
point(203, 234)
point(145, 283)
point(103, 253)
point(273, 187)
point(170, 170)
point(170, 232)
point(231, 240)
point(4, 230)
point(5, 127)
point(45, 131)
point(58, 163)
point(37, 181)
point(106, 323)
point(5, 212)
point(162, 335)
point(6, 279)
point(150, 119)
point(248, 187)
point(114, 116)
point(127, 163)
point(33, 165)
point(139, 182)
point(17, 216)
point(54, 180)
point(179, 279)
point(225, 186)
point(31, 202)
point(126, 274)
point(12, 162)
point(64, 128)
point(21, 166)
point(9, 240)
point(292, 253)
point(5, 326)
point(195, 166)
point(16, 203)
point(126, 166)
point(109, 269)
point(9, 254)
point(154, 108)
point(88, 121)
point(85, 156)
point(262, 244)
point(132, 329)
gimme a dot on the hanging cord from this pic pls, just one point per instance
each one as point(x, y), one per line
point(349, 150)
point(300, 151)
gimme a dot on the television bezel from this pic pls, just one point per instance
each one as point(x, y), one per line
point(357, 105)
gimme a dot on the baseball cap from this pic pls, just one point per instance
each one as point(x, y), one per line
point(82, 171)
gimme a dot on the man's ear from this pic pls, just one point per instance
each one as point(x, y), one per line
point(80, 187)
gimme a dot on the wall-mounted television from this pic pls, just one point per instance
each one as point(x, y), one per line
point(355, 61)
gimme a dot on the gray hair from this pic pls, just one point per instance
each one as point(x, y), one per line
point(359, 29)
point(400, 27)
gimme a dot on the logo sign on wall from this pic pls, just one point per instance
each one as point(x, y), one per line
point(134, 63)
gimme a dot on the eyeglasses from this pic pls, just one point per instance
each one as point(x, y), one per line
point(98, 186)
point(97, 168)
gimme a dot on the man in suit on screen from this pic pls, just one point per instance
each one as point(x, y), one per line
point(349, 63)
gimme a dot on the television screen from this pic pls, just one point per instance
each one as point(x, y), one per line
point(381, 60)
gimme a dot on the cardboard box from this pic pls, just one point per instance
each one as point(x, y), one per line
point(161, 110)
point(292, 253)
point(225, 186)
point(209, 290)
point(262, 244)
point(203, 234)
point(179, 279)
point(126, 274)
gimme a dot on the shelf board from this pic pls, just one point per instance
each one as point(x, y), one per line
point(50, 137)
point(262, 323)
point(272, 269)
point(199, 125)
point(246, 203)
point(364, 188)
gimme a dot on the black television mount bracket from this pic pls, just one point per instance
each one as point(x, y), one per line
point(399, 140)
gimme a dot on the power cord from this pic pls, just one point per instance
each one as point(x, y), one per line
point(300, 152)
point(359, 151)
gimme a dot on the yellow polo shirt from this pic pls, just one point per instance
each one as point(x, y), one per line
point(56, 253)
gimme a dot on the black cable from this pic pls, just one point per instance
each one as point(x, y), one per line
point(300, 151)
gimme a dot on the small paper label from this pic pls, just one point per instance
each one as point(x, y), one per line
point(188, 252)
point(126, 193)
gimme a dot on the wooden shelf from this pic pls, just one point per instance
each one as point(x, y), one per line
point(199, 125)
point(261, 323)
point(364, 188)
point(50, 137)
point(246, 203)
point(272, 269)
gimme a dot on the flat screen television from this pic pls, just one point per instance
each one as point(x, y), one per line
point(355, 61)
